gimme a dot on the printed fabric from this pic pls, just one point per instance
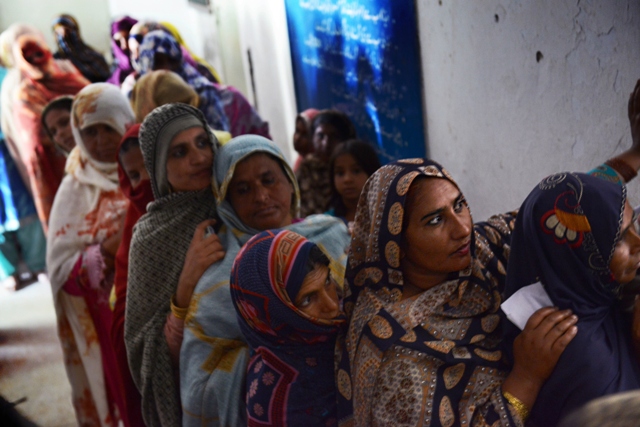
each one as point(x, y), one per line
point(433, 359)
point(290, 377)
point(215, 354)
point(565, 236)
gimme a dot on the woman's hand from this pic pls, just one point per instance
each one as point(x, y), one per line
point(202, 253)
point(536, 351)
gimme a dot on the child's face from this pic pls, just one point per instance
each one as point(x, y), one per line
point(348, 177)
point(133, 166)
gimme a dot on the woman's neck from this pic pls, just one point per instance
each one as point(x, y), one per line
point(416, 280)
point(350, 209)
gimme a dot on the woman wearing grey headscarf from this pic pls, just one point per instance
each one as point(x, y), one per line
point(169, 252)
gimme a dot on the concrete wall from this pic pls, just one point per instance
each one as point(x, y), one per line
point(93, 18)
point(516, 90)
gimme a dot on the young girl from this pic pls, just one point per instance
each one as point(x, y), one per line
point(352, 163)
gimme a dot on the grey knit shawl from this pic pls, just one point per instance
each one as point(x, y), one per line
point(158, 248)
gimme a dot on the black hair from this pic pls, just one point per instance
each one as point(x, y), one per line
point(364, 155)
point(127, 145)
point(338, 120)
point(60, 103)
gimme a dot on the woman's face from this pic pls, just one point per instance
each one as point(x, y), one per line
point(260, 193)
point(325, 138)
point(348, 177)
point(318, 295)
point(625, 261)
point(101, 142)
point(190, 160)
point(301, 141)
point(437, 240)
point(133, 165)
point(59, 125)
point(122, 38)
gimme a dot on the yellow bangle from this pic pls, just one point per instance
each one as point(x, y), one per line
point(178, 312)
point(517, 404)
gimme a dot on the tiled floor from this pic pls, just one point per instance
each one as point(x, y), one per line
point(30, 356)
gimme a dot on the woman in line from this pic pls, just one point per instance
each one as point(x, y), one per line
point(169, 252)
point(302, 136)
point(352, 163)
point(577, 235)
point(56, 121)
point(86, 59)
point(9, 87)
point(86, 224)
point(289, 312)
point(225, 107)
point(257, 191)
point(158, 88)
point(330, 127)
point(135, 185)
point(43, 79)
point(120, 48)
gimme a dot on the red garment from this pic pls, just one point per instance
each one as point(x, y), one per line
point(42, 80)
point(139, 197)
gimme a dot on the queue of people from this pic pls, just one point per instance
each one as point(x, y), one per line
point(201, 280)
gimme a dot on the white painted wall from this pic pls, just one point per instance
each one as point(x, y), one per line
point(92, 16)
point(499, 120)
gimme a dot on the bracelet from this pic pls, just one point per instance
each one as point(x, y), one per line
point(517, 404)
point(178, 312)
point(623, 168)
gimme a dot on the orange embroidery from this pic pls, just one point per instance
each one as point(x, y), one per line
point(105, 218)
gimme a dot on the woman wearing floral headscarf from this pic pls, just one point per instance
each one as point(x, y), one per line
point(43, 79)
point(289, 312)
point(85, 231)
point(87, 60)
point(224, 107)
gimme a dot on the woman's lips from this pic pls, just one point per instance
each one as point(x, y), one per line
point(464, 249)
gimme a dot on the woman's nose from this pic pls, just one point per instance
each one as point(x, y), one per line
point(462, 225)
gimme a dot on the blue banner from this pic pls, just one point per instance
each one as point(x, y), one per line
point(363, 58)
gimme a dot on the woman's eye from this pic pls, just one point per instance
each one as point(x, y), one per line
point(241, 189)
point(435, 220)
point(460, 204)
point(305, 301)
point(178, 152)
point(268, 180)
point(356, 171)
point(203, 142)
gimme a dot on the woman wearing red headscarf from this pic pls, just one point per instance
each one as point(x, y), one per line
point(42, 79)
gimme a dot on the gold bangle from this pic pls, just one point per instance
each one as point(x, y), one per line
point(517, 404)
point(178, 312)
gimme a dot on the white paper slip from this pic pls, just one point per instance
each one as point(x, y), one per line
point(526, 301)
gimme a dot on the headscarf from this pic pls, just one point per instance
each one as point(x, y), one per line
point(158, 88)
point(122, 57)
point(198, 60)
point(290, 378)
point(158, 249)
point(449, 333)
point(91, 63)
point(137, 32)
point(39, 85)
point(90, 186)
point(139, 198)
point(565, 236)
point(212, 387)
point(210, 104)
point(10, 86)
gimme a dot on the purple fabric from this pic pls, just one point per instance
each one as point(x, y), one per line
point(121, 57)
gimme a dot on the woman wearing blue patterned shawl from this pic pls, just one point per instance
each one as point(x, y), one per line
point(288, 309)
point(87, 60)
point(256, 191)
point(577, 235)
point(160, 50)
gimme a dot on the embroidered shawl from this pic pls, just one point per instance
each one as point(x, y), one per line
point(565, 235)
point(433, 359)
